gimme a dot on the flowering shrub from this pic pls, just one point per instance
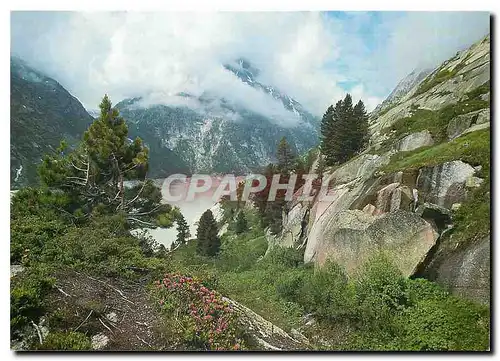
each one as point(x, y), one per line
point(209, 322)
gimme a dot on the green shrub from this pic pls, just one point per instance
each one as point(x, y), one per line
point(286, 257)
point(70, 341)
point(26, 296)
point(327, 293)
point(443, 325)
point(380, 292)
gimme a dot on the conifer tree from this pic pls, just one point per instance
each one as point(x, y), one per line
point(93, 174)
point(241, 223)
point(207, 238)
point(285, 156)
point(344, 131)
point(183, 233)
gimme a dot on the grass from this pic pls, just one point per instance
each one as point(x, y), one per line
point(436, 122)
point(472, 148)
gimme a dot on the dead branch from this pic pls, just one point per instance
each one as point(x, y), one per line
point(138, 194)
point(115, 289)
point(80, 325)
point(38, 331)
point(60, 290)
point(142, 222)
point(140, 339)
point(110, 330)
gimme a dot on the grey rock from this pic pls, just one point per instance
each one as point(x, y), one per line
point(483, 116)
point(444, 184)
point(99, 341)
point(438, 215)
point(15, 269)
point(353, 237)
point(112, 317)
point(476, 127)
point(486, 97)
point(415, 140)
point(460, 123)
point(473, 182)
point(466, 273)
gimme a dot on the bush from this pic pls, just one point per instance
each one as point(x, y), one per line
point(26, 296)
point(380, 292)
point(289, 285)
point(207, 320)
point(327, 293)
point(435, 324)
point(286, 257)
point(71, 341)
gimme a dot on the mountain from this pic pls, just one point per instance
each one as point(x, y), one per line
point(401, 89)
point(42, 112)
point(420, 193)
point(211, 134)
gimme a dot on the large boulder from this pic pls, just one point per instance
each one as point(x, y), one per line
point(460, 123)
point(466, 273)
point(293, 223)
point(444, 184)
point(415, 140)
point(352, 237)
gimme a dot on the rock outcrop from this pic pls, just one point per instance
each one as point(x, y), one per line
point(353, 237)
point(416, 140)
point(405, 214)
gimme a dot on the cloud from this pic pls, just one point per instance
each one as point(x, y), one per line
point(309, 56)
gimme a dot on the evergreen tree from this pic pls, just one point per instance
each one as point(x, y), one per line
point(361, 121)
point(285, 156)
point(241, 223)
point(344, 131)
point(93, 174)
point(182, 230)
point(207, 238)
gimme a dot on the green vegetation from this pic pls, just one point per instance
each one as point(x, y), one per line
point(436, 122)
point(344, 131)
point(472, 148)
point(85, 228)
point(71, 341)
point(472, 220)
point(208, 242)
point(367, 312)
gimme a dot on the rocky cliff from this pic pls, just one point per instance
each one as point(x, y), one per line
point(420, 192)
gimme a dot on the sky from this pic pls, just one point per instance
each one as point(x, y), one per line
point(311, 56)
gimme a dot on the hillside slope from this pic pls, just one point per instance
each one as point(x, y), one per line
point(420, 193)
point(42, 113)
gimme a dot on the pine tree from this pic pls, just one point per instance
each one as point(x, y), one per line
point(344, 131)
point(285, 156)
point(207, 238)
point(182, 230)
point(361, 120)
point(241, 223)
point(93, 174)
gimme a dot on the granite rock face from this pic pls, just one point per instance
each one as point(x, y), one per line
point(467, 272)
point(354, 237)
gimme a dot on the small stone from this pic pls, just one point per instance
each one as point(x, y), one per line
point(456, 206)
point(99, 341)
point(112, 317)
point(473, 182)
point(478, 168)
point(16, 269)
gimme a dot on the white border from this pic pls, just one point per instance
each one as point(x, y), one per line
point(185, 5)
